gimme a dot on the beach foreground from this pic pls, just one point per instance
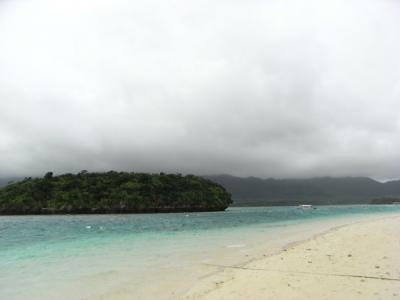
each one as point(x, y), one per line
point(358, 261)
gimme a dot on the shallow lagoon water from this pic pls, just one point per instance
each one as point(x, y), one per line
point(147, 256)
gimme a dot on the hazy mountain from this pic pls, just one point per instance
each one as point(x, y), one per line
point(252, 191)
point(4, 181)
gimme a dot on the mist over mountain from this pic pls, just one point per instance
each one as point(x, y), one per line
point(264, 88)
point(253, 191)
point(6, 180)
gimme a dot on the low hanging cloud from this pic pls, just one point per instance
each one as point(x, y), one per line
point(267, 88)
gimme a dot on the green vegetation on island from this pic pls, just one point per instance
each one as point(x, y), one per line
point(112, 192)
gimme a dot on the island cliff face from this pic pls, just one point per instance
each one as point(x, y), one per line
point(112, 192)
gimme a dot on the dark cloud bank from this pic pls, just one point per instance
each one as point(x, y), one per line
point(264, 88)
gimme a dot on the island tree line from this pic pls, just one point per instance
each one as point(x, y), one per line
point(112, 192)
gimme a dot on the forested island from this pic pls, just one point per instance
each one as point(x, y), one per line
point(112, 192)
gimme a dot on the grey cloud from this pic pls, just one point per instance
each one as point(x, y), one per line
point(266, 88)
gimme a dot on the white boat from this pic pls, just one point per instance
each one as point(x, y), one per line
point(305, 206)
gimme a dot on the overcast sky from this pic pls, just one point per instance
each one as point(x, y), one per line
point(270, 88)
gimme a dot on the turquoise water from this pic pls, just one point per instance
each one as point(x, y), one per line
point(100, 256)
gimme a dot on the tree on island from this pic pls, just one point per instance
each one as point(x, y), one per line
point(112, 192)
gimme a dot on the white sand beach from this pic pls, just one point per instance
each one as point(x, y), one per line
point(358, 261)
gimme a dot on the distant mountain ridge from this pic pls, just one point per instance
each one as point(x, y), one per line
point(253, 191)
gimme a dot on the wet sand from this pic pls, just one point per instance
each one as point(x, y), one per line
point(358, 261)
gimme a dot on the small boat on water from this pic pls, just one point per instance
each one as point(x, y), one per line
point(305, 206)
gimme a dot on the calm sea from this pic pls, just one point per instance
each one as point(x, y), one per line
point(148, 256)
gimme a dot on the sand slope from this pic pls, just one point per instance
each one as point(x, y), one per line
point(359, 261)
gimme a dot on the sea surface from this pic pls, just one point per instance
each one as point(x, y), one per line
point(149, 256)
